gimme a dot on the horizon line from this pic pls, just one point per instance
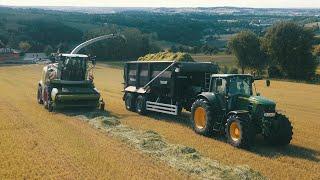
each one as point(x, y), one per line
point(152, 7)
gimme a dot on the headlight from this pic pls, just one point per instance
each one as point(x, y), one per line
point(269, 114)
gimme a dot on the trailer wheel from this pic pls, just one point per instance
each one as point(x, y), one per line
point(130, 102)
point(39, 95)
point(141, 104)
point(102, 105)
point(202, 117)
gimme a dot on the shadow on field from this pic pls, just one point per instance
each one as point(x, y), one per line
point(295, 151)
point(260, 147)
point(183, 119)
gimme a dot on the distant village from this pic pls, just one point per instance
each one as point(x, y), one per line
point(8, 54)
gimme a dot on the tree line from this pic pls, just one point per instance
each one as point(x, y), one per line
point(285, 51)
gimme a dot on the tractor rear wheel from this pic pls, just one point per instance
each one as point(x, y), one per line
point(202, 117)
point(239, 132)
point(39, 95)
point(141, 105)
point(129, 101)
point(280, 132)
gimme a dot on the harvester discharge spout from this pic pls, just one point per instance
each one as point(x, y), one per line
point(91, 41)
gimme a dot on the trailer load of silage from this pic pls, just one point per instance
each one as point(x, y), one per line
point(167, 56)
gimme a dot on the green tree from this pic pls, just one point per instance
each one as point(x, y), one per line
point(247, 48)
point(137, 44)
point(290, 46)
point(24, 46)
point(48, 50)
point(2, 45)
point(316, 50)
point(62, 47)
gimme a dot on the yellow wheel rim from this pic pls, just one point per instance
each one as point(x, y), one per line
point(200, 118)
point(234, 131)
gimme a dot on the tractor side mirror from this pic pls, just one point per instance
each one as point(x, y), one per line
point(268, 82)
point(219, 82)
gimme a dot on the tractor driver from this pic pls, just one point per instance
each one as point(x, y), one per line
point(236, 87)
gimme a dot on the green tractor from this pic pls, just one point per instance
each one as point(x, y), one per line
point(230, 106)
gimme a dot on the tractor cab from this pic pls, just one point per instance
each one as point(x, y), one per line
point(231, 88)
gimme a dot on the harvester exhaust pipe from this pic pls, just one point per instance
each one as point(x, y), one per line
point(91, 41)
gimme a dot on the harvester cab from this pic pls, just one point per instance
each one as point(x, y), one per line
point(68, 82)
point(231, 106)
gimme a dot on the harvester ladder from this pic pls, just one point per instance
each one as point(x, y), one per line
point(207, 77)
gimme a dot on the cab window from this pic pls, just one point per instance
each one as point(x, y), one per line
point(219, 87)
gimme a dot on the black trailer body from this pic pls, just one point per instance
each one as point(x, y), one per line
point(165, 86)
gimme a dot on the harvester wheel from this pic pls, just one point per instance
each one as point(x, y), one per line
point(202, 117)
point(130, 102)
point(141, 105)
point(39, 95)
point(239, 132)
point(50, 106)
point(280, 132)
point(45, 99)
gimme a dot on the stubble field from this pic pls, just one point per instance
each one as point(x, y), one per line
point(35, 143)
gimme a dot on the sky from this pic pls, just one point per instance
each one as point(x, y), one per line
point(168, 3)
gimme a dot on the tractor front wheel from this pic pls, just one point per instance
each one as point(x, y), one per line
point(202, 117)
point(129, 101)
point(280, 132)
point(239, 132)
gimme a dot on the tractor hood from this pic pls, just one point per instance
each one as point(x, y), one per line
point(261, 100)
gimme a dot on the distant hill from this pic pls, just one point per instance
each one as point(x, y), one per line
point(160, 28)
point(206, 10)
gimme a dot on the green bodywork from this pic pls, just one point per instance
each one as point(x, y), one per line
point(227, 103)
point(257, 106)
point(70, 85)
point(74, 94)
